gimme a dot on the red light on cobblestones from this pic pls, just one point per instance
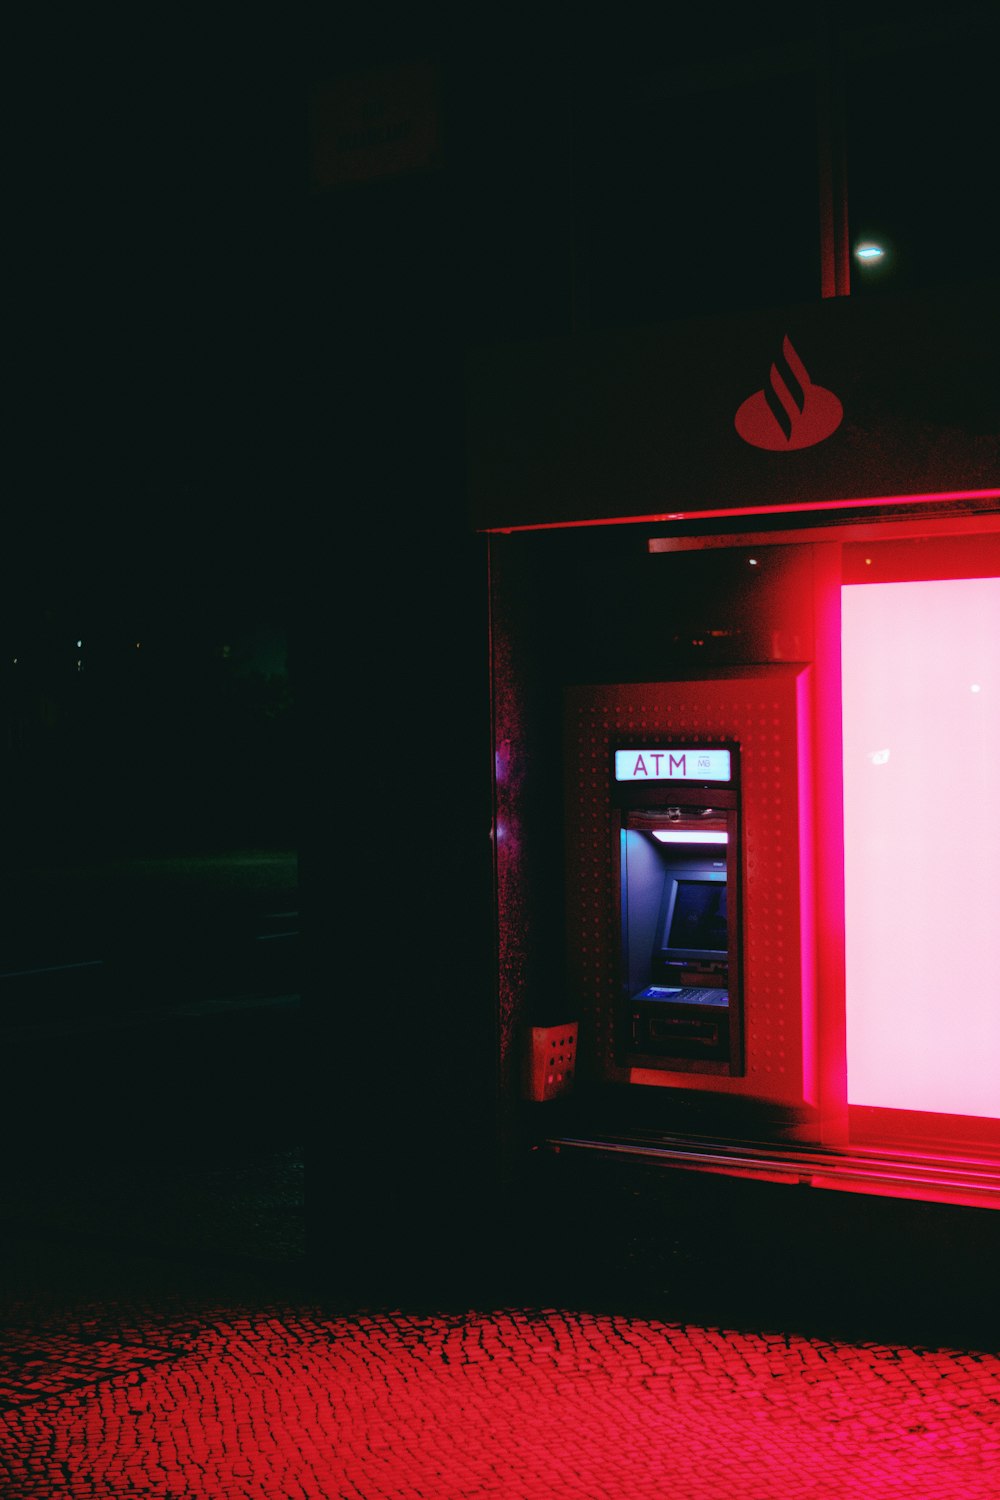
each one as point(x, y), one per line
point(513, 1403)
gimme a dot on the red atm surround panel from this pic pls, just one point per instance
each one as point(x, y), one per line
point(766, 711)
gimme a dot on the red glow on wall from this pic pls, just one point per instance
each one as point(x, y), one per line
point(921, 683)
point(804, 507)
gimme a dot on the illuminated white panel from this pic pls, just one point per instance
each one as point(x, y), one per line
point(672, 765)
point(921, 677)
point(694, 836)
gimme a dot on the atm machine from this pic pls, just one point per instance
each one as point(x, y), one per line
point(679, 897)
point(740, 686)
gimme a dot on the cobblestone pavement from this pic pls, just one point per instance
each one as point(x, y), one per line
point(131, 1376)
point(163, 1337)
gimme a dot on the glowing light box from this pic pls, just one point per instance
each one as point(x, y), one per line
point(691, 836)
point(674, 764)
point(921, 684)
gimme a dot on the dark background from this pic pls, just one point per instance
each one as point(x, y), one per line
point(236, 436)
point(237, 400)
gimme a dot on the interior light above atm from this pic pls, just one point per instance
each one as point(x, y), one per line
point(869, 252)
point(691, 835)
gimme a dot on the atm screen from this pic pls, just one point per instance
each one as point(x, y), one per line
point(696, 919)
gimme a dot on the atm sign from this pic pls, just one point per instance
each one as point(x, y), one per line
point(672, 765)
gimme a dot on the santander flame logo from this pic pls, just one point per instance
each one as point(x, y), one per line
point(790, 412)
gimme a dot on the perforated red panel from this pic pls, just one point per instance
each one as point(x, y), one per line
point(763, 709)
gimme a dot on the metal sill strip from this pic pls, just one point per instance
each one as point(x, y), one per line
point(889, 1170)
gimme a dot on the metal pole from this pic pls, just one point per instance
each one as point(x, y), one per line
point(834, 243)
